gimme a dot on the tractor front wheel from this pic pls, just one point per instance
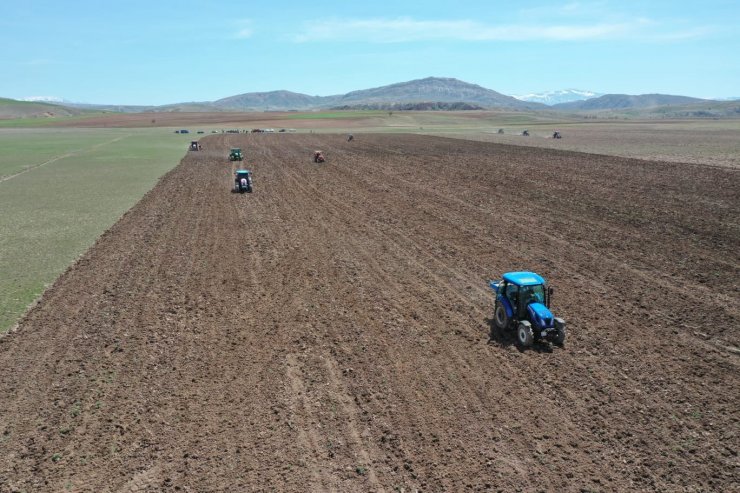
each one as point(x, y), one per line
point(560, 332)
point(500, 318)
point(524, 334)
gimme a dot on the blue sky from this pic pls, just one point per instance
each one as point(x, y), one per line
point(159, 52)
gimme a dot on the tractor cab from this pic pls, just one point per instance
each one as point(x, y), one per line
point(242, 181)
point(194, 146)
point(235, 154)
point(523, 301)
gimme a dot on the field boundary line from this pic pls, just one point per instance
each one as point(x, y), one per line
point(58, 158)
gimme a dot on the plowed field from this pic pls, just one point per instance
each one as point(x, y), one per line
point(330, 331)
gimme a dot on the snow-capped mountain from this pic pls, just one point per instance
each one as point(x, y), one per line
point(557, 97)
point(45, 99)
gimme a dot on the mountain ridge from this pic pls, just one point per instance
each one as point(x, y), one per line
point(624, 101)
point(428, 93)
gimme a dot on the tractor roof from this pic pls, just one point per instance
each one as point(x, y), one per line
point(524, 278)
point(243, 172)
point(236, 149)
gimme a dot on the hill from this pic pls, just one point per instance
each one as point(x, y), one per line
point(272, 100)
point(621, 101)
point(11, 108)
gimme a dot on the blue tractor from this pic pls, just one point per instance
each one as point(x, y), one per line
point(242, 181)
point(523, 303)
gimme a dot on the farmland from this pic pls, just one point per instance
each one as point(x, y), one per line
point(331, 331)
point(59, 190)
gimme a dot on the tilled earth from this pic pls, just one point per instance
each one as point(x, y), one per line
point(331, 330)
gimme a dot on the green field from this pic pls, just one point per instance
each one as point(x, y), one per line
point(59, 190)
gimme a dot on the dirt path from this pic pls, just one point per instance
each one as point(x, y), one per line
point(330, 331)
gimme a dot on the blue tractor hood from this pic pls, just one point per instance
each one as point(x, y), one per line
point(540, 315)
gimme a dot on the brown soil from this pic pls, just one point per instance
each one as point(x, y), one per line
point(330, 331)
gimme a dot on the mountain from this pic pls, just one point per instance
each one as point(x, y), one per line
point(434, 89)
point(434, 93)
point(556, 97)
point(429, 90)
point(624, 101)
point(44, 99)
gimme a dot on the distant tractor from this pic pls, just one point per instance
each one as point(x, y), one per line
point(318, 157)
point(350, 138)
point(501, 131)
point(556, 135)
point(242, 181)
point(525, 133)
point(523, 303)
point(235, 154)
point(194, 146)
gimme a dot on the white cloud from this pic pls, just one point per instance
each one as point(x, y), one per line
point(245, 33)
point(39, 62)
point(405, 29)
point(244, 29)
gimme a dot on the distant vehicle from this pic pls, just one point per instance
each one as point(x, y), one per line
point(235, 154)
point(523, 303)
point(318, 157)
point(281, 130)
point(194, 146)
point(556, 135)
point(177, 131)
point(350, 138)
point(201, 131)
point(525, 133)
point(501, 131)
point(257, 130)
point(184, 131)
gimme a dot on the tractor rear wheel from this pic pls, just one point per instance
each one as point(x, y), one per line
point(500, 318)
point(524, 334)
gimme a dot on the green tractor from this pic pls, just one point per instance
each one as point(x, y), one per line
point(235, 154)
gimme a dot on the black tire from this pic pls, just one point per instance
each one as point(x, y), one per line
point(500, 318)
point(524, 334)
point(560, 333)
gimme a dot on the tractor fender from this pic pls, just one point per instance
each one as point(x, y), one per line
point(494, 285)
point(507, 306)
